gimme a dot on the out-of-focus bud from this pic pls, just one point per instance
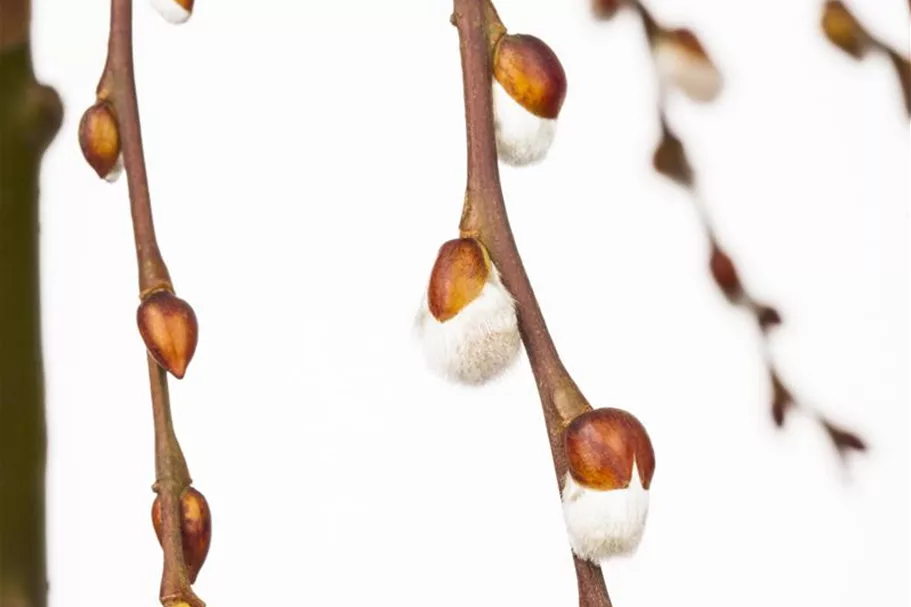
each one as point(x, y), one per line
point(467, 322)
point(169, 329)
point(99, 138)
point(782, 400)
point(605, 9)
point(670, 159)
point(683, 63)
point(725, 274)
point(767, 317)
point(528, 91)
point(606, 490)
point(843, 30)
point(195, 529)
point(174, 11)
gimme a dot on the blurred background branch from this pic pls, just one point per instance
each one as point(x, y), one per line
point(30, 116)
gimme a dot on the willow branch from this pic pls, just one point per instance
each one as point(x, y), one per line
point(30, 117)
point(672, 161)
point(484, 217)
point(172, 475)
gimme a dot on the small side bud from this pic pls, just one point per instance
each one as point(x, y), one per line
point(99, 139)
point(767, 317)
point(725, 274)
point(683, 63)
point(528, 92)
point(610, 463)
point(670, 159)
point(174, 11)
point(782, 400)
point(605, 9)
point(467, 322)
point(843, 30)
point(169, 329)
point(195, 529)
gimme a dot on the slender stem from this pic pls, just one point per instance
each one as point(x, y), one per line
point(485, 217)
point(172, 475)
point(153, 273)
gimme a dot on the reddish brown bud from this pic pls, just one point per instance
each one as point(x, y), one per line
point(602, 446)
point(195, 528)
point(99, 138)
point(530, 72)
point(767, 317)
point(605, 9)
point(725, 274)
point(169, 329)
point(843, 30)
point(457, 278)
point(670, 159)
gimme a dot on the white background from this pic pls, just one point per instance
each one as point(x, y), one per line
point(306, 162)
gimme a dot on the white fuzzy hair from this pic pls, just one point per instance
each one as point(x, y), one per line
point(116, 170)
point(171, 11)
point(522, 137)
point(479, 342)
point(604, 524)
point(695, 76)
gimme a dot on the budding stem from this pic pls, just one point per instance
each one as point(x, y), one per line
point(484, 217)
point(172, 475)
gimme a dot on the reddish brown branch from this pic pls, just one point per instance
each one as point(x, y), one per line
point(172, 475)
point(672, 161)
point(485, 217)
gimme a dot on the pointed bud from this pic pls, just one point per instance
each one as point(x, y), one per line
point(843, 30)
point(782, 400)
point(528, 92)
point(605, 9)
point(610, 464)
point(767, 317)
point(725, 274)
point(670, 159)
point(99, 138)
point(683, 63)
point(195, 529)
point(174, 11)
point(467, 321)
point(169, 329)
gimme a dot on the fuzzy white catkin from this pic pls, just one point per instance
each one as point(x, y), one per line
point(522, 138)
point(115, 172)
point(171, 11)
point(477, 344)
point(604, 524)
point(695, 76)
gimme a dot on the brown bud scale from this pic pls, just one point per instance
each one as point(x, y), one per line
point(601, 447)
point(169, 329)
point(724, 273)
point(686, 40)
point(843, 30)
point(670, 160)
point(99, 138)
point(195, 529)
point(458, 276)
point(531, 73)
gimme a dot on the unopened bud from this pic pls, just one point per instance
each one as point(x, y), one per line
point(843, 30)
point(169, 329)
point(610, 463)
point(467, 321)
point(725, 274)
point(195, 529)
point(670, 159)
point(174, 11)
point(605, 9)
point(682, 62)
point(99, 138)
point(528, 92)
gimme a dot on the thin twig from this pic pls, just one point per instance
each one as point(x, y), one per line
point(767, 317)
point(484, 217)
point(172, 475)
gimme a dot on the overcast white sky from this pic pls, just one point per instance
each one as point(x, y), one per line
point(307, 160)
